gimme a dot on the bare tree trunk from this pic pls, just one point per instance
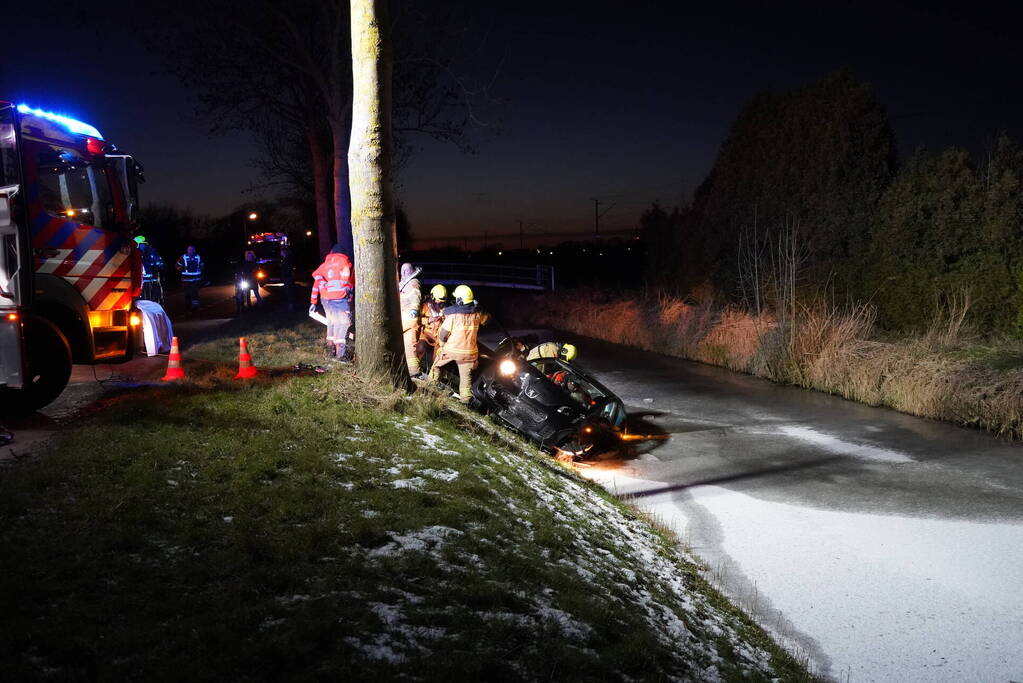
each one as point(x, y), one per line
point(322, 189)
point(342, 185)
point(378, 344)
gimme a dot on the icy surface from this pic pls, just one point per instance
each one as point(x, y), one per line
point(884, 597)
point(839, 447)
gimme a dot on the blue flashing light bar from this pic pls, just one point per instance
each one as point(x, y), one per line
point(72, 125)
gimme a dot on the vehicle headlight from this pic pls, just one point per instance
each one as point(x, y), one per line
point(244, 284)
point(507, 367)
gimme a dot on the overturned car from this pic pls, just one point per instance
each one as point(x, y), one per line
point(548, 400)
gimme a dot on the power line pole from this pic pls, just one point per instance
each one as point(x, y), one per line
point(597, 214)
point(520, 235)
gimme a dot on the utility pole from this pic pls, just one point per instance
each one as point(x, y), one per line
point(520, 235)
point(597, 214)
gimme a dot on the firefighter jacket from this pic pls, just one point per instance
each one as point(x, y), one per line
point(550, 349)
point(152, 264)
point(191, 267)
point(431, 315)
point(458, 333)
point(334, 279)
point(409, 298)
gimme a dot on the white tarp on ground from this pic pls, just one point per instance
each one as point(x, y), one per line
point(156, 328)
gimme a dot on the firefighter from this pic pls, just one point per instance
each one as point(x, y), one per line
point(431, 314)
point(553, 349)
point(410, 299)
point(191, 267)
point(334, 281)
point(457, 337)
point(152, 267)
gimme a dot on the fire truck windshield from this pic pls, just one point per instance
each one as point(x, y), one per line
point(74, 188)
point(266, 250)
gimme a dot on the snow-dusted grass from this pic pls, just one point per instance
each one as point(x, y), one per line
point(322, 527)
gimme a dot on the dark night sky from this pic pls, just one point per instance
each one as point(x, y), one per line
point(627, 103)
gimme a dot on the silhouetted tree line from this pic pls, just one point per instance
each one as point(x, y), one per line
point(822, 160)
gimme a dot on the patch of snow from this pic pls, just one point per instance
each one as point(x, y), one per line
point(432, 441)
point(171, 482)
point(341, 457)
point(443, 475)
point(427, 539)
point(413, 483)
point(228, 519)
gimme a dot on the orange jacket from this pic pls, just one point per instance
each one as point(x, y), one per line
point(334, 279)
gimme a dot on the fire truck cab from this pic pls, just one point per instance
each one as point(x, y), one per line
point(69, 269)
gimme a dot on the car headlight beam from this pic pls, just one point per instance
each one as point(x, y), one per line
point(508, 367)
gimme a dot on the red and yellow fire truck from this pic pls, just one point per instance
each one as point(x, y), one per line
point(69, 269)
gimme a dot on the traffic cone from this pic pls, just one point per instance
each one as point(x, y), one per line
point(174, 369)
point(245, 367)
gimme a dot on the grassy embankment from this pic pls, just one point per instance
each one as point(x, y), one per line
point(322, 526)
point(943, 373)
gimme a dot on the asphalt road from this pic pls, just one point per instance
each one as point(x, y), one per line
point(878, 545)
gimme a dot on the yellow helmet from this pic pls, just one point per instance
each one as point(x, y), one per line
point(463, 294)
point(439, 292)
point(569, 352)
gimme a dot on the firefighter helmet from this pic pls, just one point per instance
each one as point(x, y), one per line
point(463, 294)
point(568, 352)
point(439, 292)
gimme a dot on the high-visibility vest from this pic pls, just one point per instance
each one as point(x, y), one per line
point(191, 267)
point(334, 279)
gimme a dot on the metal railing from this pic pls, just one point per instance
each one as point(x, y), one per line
point(487, 275)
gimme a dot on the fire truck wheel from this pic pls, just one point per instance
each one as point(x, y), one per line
point(49, 368)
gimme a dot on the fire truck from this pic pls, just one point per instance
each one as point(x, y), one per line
point(70, 271)
point(267, 247)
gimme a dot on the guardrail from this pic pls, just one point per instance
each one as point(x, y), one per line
point(486, 275)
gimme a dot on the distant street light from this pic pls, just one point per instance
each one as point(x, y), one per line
point(308, 233)
point(253, 216)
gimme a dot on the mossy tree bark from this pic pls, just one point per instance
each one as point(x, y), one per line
point(378, 344)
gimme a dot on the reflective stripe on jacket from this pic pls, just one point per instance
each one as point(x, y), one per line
point(190, 267)
point(334, 279)
point(458, 333)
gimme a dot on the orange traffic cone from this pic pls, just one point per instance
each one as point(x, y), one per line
point(174, 369)
point(245, 367)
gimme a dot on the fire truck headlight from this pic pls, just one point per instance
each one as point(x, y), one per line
point(135, 320)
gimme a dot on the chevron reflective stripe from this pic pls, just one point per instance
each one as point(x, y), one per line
point(114, 300)
point(50, 265)
point(113, 264)
point(91, 288)
point(87, 259)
